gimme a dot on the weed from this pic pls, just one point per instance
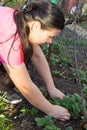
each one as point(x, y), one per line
point(5, 123)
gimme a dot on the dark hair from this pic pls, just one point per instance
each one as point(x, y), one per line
point(47, 13)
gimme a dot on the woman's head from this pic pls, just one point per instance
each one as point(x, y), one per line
point(47, 13)
point(38, 21)
point(39, 36)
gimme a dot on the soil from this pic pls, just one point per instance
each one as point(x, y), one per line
point(66, 85)
point(28, 122)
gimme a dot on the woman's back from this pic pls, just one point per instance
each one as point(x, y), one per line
point(7, 38)
point(7, 25)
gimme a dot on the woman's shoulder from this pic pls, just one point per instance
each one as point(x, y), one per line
point(8, 27)
point(6, 10)
point(5, 14)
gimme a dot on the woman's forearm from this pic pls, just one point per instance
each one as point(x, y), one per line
point(35, 97)
point(42, 66)
point(30, 91)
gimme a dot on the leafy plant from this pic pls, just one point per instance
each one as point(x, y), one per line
point(84, 89)
point(72, 103)
point(11, 3)
point(46, 122)
point(33, 111)
point(51, 127)
point(65, 61)
point(43, 90)
point(54, 59)
point(57, 72)
point(24, 111)
point(81, 42)
point(5, 123)
point(69, 128)
point(82, 74)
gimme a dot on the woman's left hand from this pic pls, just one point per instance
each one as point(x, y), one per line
point(56, 93)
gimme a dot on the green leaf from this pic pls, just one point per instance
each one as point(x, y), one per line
point(69, 128)
point(47, 120)
point(51, 127)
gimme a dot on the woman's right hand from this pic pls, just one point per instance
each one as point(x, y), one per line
point(59, 112)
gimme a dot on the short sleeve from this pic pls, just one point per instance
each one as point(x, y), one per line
point(10, 46)
point(12, 52)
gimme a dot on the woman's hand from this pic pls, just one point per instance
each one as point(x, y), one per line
point(55, 93)
point(60, 113)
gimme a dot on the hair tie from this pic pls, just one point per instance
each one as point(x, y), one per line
point(27, 7)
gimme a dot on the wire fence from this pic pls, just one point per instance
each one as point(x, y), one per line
point(77, 46)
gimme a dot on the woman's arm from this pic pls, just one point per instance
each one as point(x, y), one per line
point(22, 81)
point(30, 91)
point(41, 64)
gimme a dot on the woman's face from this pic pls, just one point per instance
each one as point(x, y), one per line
point(39, 36)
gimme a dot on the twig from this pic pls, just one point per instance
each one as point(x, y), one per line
point(63, 72)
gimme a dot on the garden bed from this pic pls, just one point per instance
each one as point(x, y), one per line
point(24, 114)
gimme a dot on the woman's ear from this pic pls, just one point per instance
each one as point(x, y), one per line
point(36, 26)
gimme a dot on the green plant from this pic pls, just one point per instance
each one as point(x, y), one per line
point(5, 123)
point(44, 48)
point(69, 128)
point(33, 111)
point(82, 74)
point(84, 24)
point(65, 61)
point(51, 127)
point(81, 42)
point(57, 72)
point(84, 88)
point(24, 111)
point(2, 104)
point(72, 103)
point(43, 90)
point(54, 59)
point(46, 122)
point(11, 3)
point(66, 41)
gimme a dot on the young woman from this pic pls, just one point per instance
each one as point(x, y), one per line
point(21, 33)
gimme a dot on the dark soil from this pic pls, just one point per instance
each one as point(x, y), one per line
point(66, 85)
point(27, 122)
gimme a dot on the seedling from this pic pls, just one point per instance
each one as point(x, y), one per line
point(33, 111)
point(46, 122)
point(24, 111)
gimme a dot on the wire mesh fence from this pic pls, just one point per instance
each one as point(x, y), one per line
point(76, 43)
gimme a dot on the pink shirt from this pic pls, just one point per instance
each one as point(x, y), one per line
point(7, 34)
